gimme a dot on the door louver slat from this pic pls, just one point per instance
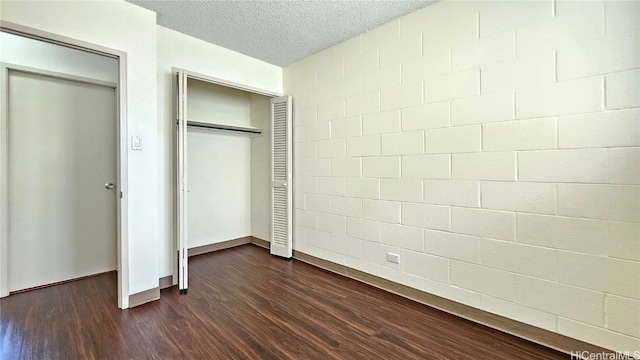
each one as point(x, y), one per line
point(281, 217)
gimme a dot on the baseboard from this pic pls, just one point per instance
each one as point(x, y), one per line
point(528, 332)
point(61, 282)
point(259, 242)
point(219, 246)
point(144, 297)
point(165, 282)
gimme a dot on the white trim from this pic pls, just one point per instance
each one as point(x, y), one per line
point(58, 75)
point(175, 185)
point(226, 83)
point(36, 34)
point(123, 183)
point(121, 146)
point(183, 259)
point(4, 193)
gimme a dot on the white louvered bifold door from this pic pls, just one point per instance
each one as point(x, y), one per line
point(181, 191)
point(281, 239)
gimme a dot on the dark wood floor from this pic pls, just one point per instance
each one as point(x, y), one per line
point(245, 304)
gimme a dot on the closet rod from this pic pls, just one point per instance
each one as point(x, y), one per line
point(249, 130)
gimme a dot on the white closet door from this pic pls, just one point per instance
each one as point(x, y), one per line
point(181, 191)
point(281, 227)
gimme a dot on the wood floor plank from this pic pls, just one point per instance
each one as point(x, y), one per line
point(245, 304)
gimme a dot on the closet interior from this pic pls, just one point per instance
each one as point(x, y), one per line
point(223, 166)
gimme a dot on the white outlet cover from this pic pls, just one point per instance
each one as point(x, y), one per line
point(394, 258)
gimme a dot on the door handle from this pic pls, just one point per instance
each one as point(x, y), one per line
point(108, 186)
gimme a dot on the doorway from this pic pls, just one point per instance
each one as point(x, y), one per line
point(108, 219)
point(222, 196)
point(61, 176)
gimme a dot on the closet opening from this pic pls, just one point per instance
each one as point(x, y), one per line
point(222, 167)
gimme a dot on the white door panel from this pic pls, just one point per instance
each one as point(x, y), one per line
point(62, 218)
point(281, 187)
point(182, 181)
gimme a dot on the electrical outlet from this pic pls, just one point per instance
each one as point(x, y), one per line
point(394, 258)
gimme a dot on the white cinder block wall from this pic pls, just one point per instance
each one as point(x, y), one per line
point(495, 146)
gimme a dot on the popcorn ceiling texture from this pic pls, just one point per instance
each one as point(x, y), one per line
point(277, 32)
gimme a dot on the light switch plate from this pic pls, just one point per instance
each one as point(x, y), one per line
point(136, 142)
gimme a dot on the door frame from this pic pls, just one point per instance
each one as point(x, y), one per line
point(180, 178)
point(122, 237)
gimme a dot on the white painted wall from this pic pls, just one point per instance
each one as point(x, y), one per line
point(175, 49)
point(126, 27)
point(24, 51)
point(505, 173)
point(261, 168)
point(218, 166)
point(132, 29)
point(219, 198)
point(217, 104)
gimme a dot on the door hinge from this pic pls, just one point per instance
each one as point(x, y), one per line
point(120, 194)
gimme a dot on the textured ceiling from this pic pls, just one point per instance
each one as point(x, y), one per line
point(278, 32)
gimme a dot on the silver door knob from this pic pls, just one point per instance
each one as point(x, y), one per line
point(108, 186)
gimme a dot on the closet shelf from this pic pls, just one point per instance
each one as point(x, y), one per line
point(243, 129)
